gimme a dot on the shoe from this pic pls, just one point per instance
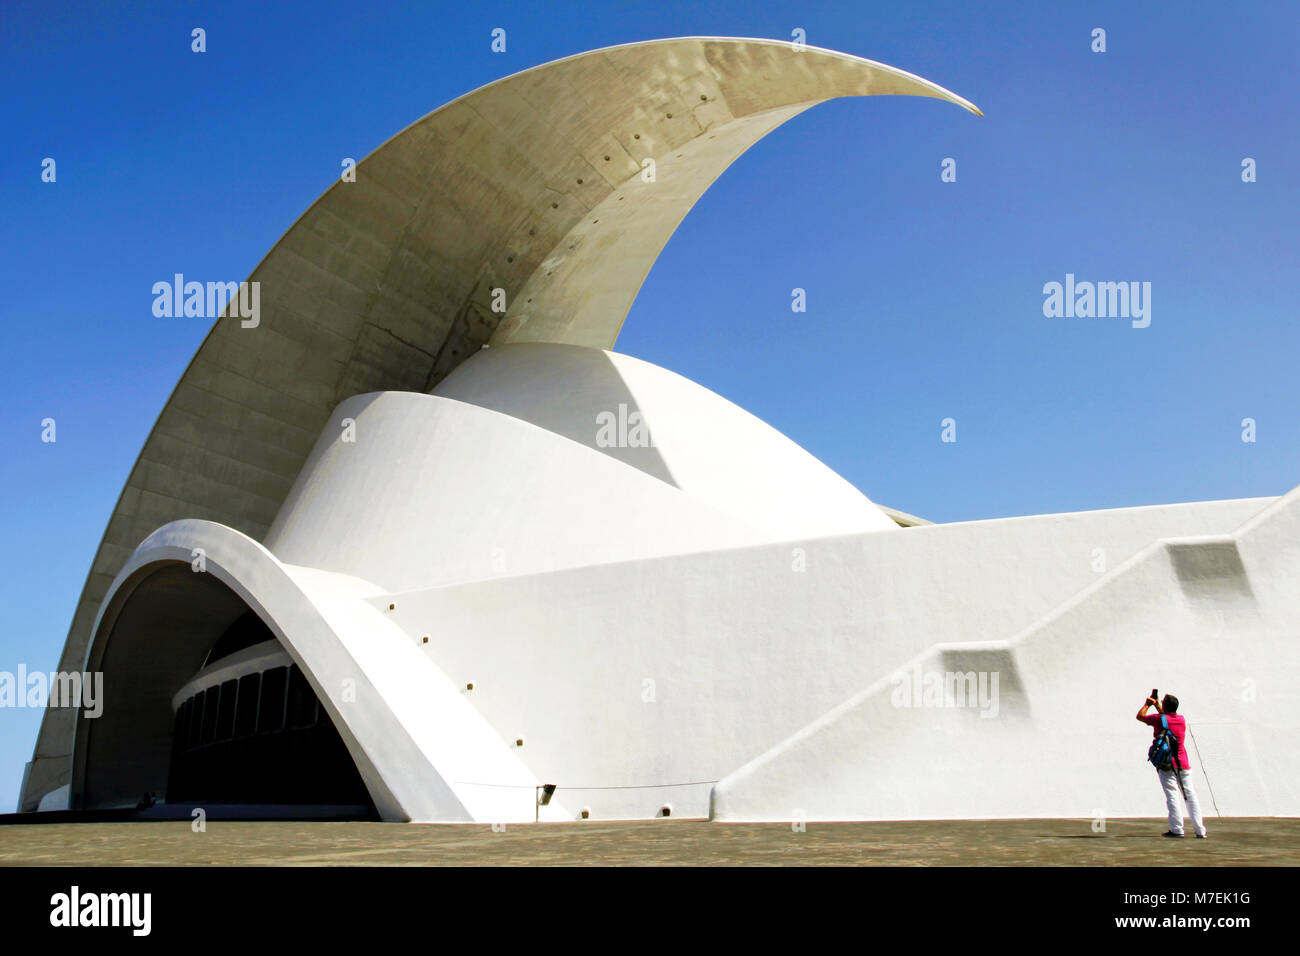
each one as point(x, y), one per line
point(1171, 833)
point(1202, 836)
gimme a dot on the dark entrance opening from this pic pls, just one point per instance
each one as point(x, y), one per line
point(260, 739)
point(249, 736)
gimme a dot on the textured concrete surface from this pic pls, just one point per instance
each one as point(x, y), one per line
point(1234, 842)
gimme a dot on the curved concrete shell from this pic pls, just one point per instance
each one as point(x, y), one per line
point(537, 184)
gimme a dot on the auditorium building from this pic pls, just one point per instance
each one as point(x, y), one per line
point(418, 541)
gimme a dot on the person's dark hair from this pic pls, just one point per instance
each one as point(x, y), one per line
point(1171, 704)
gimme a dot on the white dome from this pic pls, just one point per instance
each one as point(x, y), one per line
point(529, 459)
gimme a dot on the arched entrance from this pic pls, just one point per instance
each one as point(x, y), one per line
point(203, 706)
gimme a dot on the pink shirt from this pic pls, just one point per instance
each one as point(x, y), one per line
point(1177, 727)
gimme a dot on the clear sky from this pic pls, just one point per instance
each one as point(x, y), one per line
point(924, 298)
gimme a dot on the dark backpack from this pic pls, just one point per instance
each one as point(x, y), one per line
point(1164, 751)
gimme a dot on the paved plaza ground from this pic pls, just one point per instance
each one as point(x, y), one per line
point(1232, 842)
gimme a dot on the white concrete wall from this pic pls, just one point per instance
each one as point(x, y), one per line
point(744, 650)
point(1211, 619)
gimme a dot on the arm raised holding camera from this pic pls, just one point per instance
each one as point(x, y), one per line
point(1152, 701)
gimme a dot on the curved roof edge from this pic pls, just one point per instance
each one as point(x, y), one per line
point(902, 518)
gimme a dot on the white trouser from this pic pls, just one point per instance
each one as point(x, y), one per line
point(1169, 783)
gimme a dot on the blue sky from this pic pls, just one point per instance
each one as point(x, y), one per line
point(924, 298)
